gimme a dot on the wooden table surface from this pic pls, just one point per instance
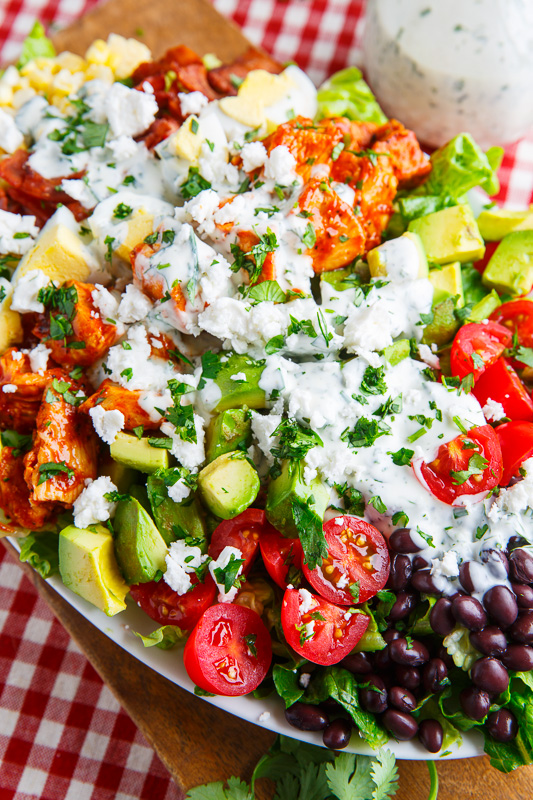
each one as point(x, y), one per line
point(197, 742)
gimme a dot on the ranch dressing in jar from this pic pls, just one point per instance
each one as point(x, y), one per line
point(446, 66)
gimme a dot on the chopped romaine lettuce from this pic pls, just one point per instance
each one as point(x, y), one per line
point(41, 551)
point(165, 637)
point(346, 94)
point(36, 45)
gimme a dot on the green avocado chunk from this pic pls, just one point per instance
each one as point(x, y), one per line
point(450, 235)
point(397, 351)
point(123, 477)
point(139, 547)
point(510, 269)
point(175, 520)
point(229, 430)
point(244, 391)
point(228, 485)
point(447, 282)
point(138, 453)
point(485, 307)
point(289, 486)
point(495, 223)
point(88, 567)
point(444, 325)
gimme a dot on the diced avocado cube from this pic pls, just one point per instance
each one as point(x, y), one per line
point(447, 282)
point(123, 477)
point(244, 391)
point(289, 486)
point(495, 223)
point(370, 642)
point(139, 547)
point(88, 567)
point(229, 430)
point(228, 485)
point(397, 351)
point(510, 269)
point(444, 325)
point(138, 453)
point(485, 307)
point(399, 259)
point(140, 493)
point(450, 235)
point(339, 278)
point(174, 520)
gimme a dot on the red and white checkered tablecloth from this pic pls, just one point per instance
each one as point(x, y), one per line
point(62, 734)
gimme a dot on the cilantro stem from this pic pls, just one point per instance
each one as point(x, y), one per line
point(434, 780)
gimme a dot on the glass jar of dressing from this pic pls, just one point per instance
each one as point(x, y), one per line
point(446, 66)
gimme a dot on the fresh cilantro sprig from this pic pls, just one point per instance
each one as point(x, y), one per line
point(252, 261)
point(295, 440)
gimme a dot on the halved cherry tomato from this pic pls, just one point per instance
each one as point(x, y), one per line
point(318, 630)
point(167, 607)
point(443, 475)
point(357, 565)
point(501, 383)
point(241, 532)
point(476, 346)
point(229, 651)
point(282, 557)
point(516, 442)
point(517, 315)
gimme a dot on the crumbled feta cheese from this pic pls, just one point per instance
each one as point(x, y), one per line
point(92, 506)
point(253, 155)
point(182, 560)
point(192, 102)
point(9, 388)
point(79, 191)
point(107, 423)
point(264, 716)
point(366, 330)
point(239, 376)
point(446, 566)
point(262, 429)
point(39, 358)
point(493, 410)
point(307, 601)
point(17, 232)
point(304, 679)
point(281, 166)
point(105, 302)
point(10, 136)
point(202, 209)
point(342, 582)
point(26, 292)
point(220, 563)
point(179, 491)
point(134, 305)
point(129, 111)
point(123, 148)
point(189, 454)
point(428, 357)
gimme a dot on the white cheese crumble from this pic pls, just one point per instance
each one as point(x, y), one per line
point(304, 679)
point(307, 601)
point(264, 716)
point(189, 454)
point(281, 165)
point(493, 410)
point(17, 232)
point(26, 291)
point(192, 102)
point(428, 357)
point(39, 358)
point(92, 506)
point(9, 388)
point(107, 423)
point(254, 155)
point(239, 376)
point(182, 560)
point(105, 302)
point(179, 491)
point(10, 136)
point(221, 562)
point(129, 112)
point(134, 305)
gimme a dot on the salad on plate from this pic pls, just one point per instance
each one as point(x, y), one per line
point(266, 372)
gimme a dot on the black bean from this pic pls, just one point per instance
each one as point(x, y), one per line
point(402, 726)
point(441, 617)
point(469, 612)
point(402, 699)
point(419, 562)
point(358, 663)
point(400, 572)
point(306, 717)
point(521, 566)
point(519, 657)
point(501, 604)
point(502, 725)
point(445, 656)
point(522, 630)
point(391, 634)
point(405, 603)
point(423, 582)
point(524, 594)
point(408, 676)
point(408, 652)
point(331, 706)
point(496, 561)
point(337, 734)
point(490, 641)
point(400, 541)
point(431, 734)
point(373, 694)
point(434, 675)
point(465, 578)
point(490, 675)
point(382, 660)
point(474, 702)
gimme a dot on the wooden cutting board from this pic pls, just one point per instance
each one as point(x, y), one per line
point(197, 742)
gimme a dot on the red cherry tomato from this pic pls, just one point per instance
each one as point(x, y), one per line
point(501, 383)
point(167, 607)
point(282, 557)
point(517, 316)
point(357, 565)
point(229, 651)
point(319, 631)
point(476, 346)
point(516, 442)
point(442, 476)
point(490, 247)
point(241, 532)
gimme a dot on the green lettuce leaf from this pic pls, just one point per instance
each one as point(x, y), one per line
point(165, 637)
point(508, 756)
point(36, 45)
point(346, 94)
point(340, 685)
point(41, 551)
point(287, 683)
